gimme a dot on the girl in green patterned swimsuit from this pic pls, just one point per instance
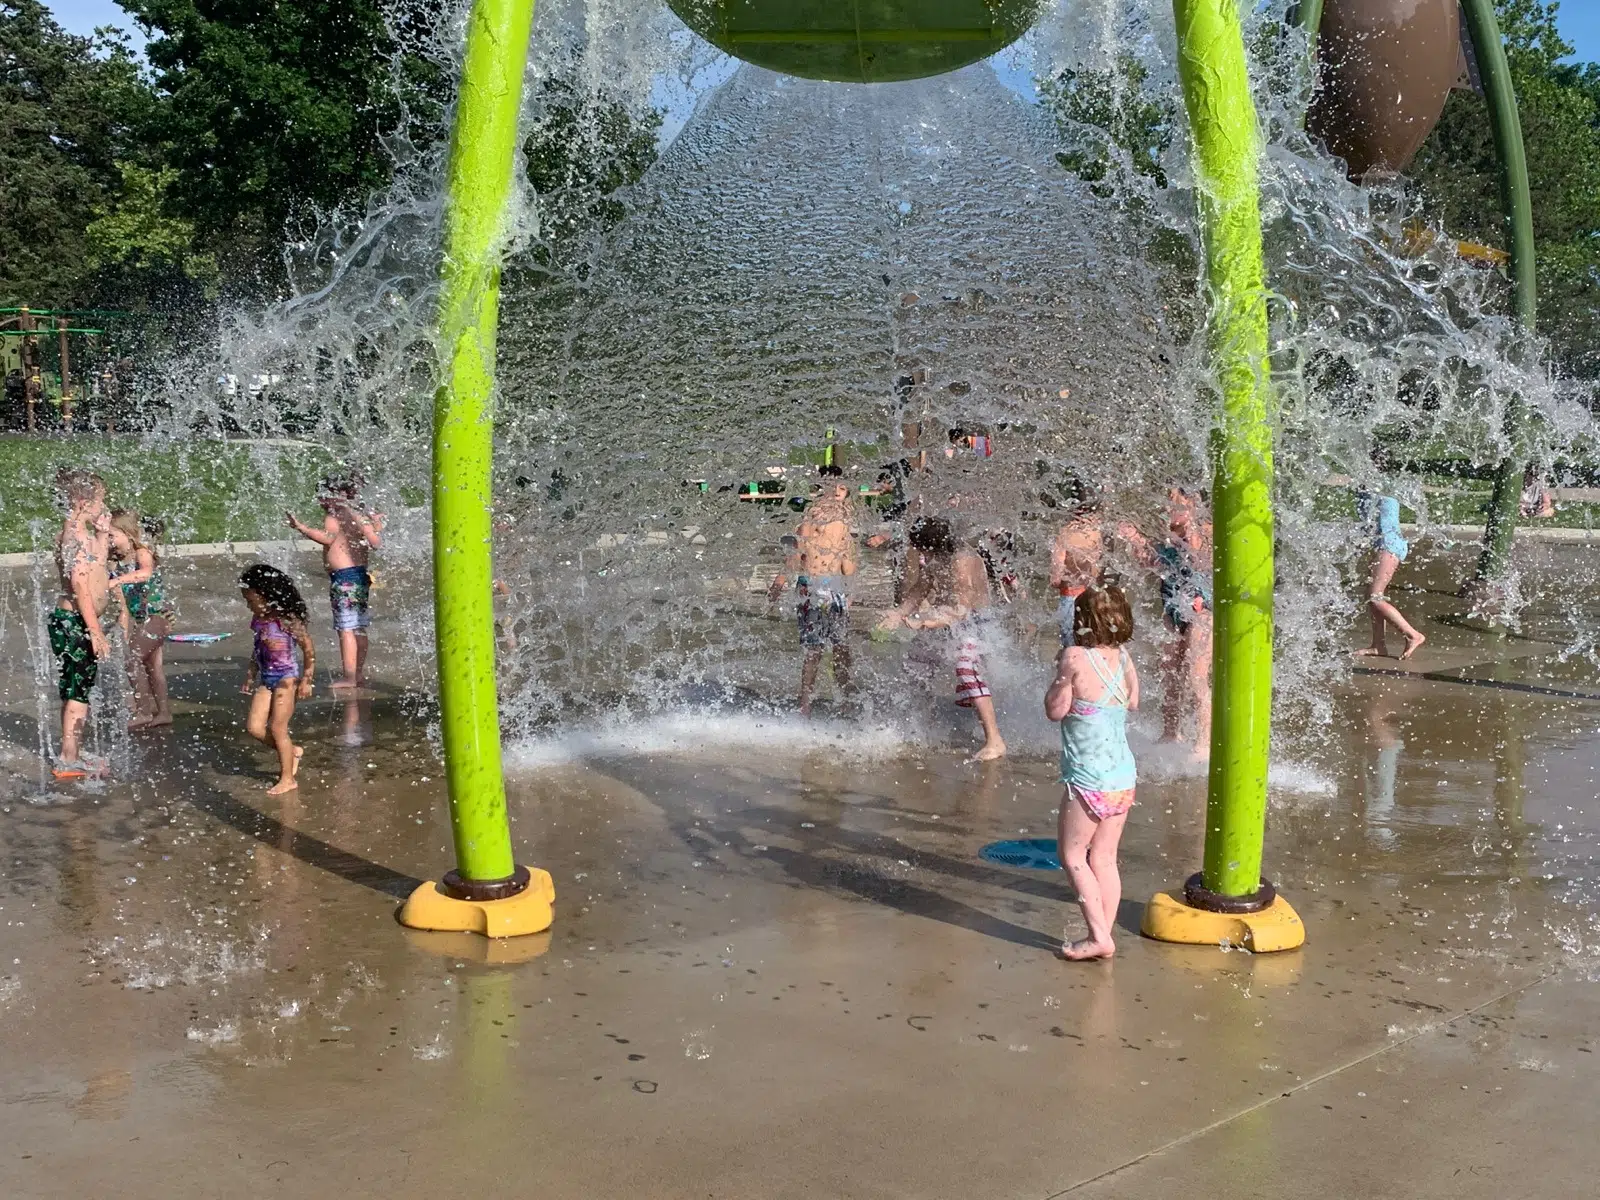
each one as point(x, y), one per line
point(151, 614)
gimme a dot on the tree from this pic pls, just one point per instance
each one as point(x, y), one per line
point(1111, 115)
point(139, 253)
point(271, 107)
point(71, 108)
point(1456, 176)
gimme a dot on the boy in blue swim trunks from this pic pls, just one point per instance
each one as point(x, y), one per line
point(348, 535)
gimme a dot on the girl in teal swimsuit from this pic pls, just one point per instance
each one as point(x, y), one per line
point(1095, 688)
point(137, 571)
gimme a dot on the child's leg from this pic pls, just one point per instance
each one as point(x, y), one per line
point(842, 663)
point(349, 654)
point(1174, 681)
point(972, 691)
point(1200, 681)
point(1382, 610)
point(156, 671)
point(361, 656)
point(1103, 863)
point(808, 677)
point(994, 746)
point(282, 708)
point(1075, 830)
point(1383, 568)
point(73, 714)
point(260, 708)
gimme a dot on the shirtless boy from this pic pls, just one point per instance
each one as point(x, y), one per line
point(74, 625)
point(348, 535)
point(821, 560)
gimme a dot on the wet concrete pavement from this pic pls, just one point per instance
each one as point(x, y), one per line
point(788, 973)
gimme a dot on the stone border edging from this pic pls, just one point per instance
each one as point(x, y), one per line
point(189, 550)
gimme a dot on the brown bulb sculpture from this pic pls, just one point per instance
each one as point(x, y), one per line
point(1386, 68)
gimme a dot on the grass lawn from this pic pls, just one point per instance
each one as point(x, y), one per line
point(206, 490)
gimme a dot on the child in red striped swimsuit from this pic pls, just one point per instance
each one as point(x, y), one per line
point(952, 596)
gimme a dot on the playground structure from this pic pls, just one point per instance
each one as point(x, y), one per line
point(1228, 901)
point(22, 363)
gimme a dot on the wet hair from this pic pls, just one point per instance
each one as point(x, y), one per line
point(828, 470)
point(932, 535)
point(136, 529)
point(344, 484)
point(1102, 617)
point(74, 485)
point(276, 589)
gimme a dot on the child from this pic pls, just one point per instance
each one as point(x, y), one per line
point(77, 637)
point(348, 534)
point(950, 600)
point(1094, 689)
point(1381, 515)
point(820, 557)
point(150, 614)
point(275, 681)
point(1182, 561)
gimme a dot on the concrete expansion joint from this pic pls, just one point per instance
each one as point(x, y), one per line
point(1388, 1047)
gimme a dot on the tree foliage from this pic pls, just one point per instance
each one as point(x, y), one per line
point(71, 110)
point(1457, 176)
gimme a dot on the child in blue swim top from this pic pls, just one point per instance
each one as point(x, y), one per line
point(1380, 517)
point(1095, 688)
point(276, 679)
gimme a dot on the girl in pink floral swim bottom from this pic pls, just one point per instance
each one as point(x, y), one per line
point(1094, 689)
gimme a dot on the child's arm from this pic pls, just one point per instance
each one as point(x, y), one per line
point(370, 525)
point(308, 657)
point(1058, 699)
point(249, 684)
point(143, 571)
point(1143, 552)
point(320, 536)
point(1133, 681)
point(915, 595)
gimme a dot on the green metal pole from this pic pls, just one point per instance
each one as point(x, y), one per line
point(482, 152)
point(1517, 197)
point(1308, 15)
point(1226, 144)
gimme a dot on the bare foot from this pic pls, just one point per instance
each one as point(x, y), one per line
point(1373, 652)
point(989, 753)
point(1412, 642)
point(282, 786)
point(160, 719)
point(299, 753)
point(1087, 950)
point(342, 683)
point(140, 723)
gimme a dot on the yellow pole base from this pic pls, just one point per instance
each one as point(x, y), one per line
point(529, 911)
point(1276, 927)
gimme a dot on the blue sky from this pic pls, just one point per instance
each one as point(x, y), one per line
point(1580, 21)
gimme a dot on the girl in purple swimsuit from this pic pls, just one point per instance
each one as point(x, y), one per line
point(276, 679)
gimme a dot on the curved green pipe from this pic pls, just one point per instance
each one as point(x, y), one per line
point(1517, 196)
point(1308, 15)
point(478, 188)
point(1226, 146)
